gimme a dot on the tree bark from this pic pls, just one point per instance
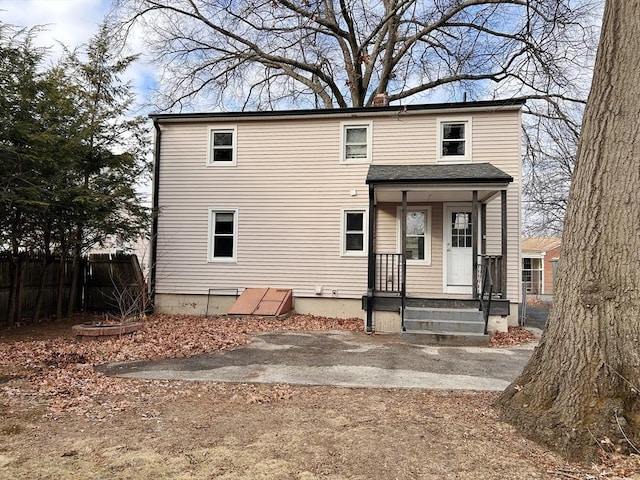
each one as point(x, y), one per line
point(13, 292)
point(61, 278)
point(75, 271)
point(37, 309)
point(581, 390)
point(20, 289)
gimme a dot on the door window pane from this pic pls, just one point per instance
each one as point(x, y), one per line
point(461, 229)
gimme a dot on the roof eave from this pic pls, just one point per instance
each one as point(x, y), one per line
point(454, 181)
point(485, 105)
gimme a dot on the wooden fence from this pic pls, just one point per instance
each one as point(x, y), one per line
point(102, 280)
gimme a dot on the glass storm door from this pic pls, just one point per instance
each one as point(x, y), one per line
point(458, 250)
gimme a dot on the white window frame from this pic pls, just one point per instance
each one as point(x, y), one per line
point(343, 232)
point(211, 235)
point(427, 233)
point(468, 147)
point(234, 147)
point(344, 126)
point(539, 272)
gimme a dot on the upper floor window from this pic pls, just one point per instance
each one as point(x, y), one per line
point(222, 146)
point(356, 142)
point(354, 234)
point(454, 140)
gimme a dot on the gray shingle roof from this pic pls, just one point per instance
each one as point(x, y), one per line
point(433, 174)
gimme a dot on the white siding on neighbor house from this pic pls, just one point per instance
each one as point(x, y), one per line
point(289, 189)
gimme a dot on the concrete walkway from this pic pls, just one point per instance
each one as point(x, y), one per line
point(339, 358)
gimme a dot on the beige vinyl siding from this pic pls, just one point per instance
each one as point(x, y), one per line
point(289, 189)
point(494, 137)
point(422, 279)
point(496, 140)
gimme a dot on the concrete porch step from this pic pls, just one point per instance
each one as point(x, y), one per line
point(444, 326)
point(444, 320)
point(449, 339)
point(453, 314)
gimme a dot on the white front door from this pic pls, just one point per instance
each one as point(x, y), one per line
point(458, 249)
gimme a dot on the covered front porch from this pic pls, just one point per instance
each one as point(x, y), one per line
point(437, 238)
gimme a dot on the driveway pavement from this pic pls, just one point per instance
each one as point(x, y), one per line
point(339, 358)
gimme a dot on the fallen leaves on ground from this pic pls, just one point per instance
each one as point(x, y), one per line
point(515, 336)
point(60, 371)
point(537, 302)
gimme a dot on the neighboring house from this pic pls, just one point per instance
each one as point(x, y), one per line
point(114, 245)
point(539, 262)
point(314, 201)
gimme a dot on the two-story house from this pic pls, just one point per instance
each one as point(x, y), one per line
point(362, 212)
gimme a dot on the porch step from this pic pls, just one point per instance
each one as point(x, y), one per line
point(443, 321)
point(446, 339)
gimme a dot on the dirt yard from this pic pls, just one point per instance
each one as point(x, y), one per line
point(59, 419)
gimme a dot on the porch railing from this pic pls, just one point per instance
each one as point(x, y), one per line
point(485, 293)
point(388, 272)
point(492, 263)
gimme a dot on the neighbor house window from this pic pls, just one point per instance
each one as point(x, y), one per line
point(356, 142)
point(454, 140)
point(222, 146)
point(354, 234)
point(417, 233)
point(532, 275)
point(223, 235)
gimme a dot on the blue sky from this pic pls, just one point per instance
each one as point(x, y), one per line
point(71, 22)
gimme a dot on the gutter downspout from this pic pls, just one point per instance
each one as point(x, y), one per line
point(403, 286)
point(155, 212)
point(371, 260)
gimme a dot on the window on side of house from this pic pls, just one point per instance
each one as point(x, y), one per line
point(354, 232)
point(454, 140)
point(532, 275)
point(356, 142)
point(222, 146)
point(418, 234)
point(223, 235)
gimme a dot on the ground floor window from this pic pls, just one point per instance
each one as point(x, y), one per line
point(417, 233)
point(354, 232)
point(223, 235)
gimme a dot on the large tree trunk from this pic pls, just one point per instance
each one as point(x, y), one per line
point(581, 389)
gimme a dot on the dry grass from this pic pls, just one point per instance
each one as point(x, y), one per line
point(60, 419)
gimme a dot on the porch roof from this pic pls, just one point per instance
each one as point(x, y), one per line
point(435, 174)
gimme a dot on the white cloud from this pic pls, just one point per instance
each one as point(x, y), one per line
point(71, 22)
